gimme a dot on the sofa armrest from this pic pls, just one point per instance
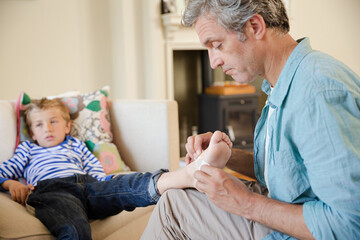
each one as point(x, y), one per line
point(7, 130)
point(146, 133)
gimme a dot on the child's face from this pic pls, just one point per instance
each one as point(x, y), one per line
point(48, 127)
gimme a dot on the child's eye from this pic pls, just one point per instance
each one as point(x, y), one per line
point(38, 125)
point(53, 121)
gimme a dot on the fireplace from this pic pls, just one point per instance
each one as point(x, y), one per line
point(235, 115)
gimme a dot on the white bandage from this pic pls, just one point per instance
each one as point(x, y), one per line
point(202, 161)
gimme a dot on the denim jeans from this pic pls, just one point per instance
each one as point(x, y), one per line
point(64, 205)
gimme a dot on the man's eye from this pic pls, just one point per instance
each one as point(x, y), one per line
point(217, 46)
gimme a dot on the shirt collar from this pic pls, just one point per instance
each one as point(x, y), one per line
point(283, 83)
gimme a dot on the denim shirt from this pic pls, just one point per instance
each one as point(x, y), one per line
point(314, 146)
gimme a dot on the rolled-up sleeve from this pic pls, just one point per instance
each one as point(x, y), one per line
point(325, 222)
point(332, 161)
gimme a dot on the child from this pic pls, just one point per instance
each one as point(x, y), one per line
point(66, 184)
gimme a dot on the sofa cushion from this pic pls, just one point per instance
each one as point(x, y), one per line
point(19, 224)
point(125, 225)
point(7, 130)
point(109, 158)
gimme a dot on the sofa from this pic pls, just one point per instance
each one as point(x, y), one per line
point(147, 137)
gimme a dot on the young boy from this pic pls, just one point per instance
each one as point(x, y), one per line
point(66, 184)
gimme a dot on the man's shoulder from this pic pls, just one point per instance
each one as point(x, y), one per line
point(323, 72)
point(320, 64)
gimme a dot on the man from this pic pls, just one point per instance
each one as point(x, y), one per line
point(306, 150)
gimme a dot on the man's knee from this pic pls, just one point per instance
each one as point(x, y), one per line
point(168, 197)
point(171, 192)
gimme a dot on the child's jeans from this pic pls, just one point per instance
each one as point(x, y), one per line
point(64, 205)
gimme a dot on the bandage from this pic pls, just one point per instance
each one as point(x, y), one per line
point(202, 161)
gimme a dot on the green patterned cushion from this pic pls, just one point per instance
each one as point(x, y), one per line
point(109, 158)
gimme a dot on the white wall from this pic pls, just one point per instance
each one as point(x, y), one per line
point(51, 46)
point(332, 25)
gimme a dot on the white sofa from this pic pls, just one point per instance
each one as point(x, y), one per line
point(147, 136)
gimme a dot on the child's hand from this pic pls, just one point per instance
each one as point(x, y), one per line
point(17, 190)
point(188, 159)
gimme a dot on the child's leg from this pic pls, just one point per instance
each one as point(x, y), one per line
point(217, 154)
point(123, 192)
point(61, 212)
point(126, 192)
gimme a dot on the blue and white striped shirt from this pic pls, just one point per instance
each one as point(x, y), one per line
point(35, 163)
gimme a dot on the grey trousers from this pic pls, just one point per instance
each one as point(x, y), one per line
point(188, 214)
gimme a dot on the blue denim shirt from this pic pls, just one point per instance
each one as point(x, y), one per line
point(314, 145)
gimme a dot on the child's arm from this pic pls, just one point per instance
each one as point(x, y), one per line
point(90, 164)
point(14, 167)
point(93, 166)
point(17, 190)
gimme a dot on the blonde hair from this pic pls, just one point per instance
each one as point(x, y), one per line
point(44, 104)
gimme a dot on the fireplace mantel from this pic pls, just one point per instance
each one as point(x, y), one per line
point(175, 32)
point(177, 37)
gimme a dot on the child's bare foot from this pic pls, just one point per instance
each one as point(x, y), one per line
point(218, 152)
point(216, 155)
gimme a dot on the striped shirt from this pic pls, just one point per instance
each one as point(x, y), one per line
point(35, 163)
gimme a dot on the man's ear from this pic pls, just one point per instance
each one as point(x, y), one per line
point(257, 26)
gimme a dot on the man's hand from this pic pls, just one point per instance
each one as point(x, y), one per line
point(17, 190)
point(231, 195)
point(195, 145)
point(224, 190)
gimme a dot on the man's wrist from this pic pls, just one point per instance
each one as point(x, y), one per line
point(251, 206)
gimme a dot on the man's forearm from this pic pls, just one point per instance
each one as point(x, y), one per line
point(242, 161)
point(284, 217)
point(232, 195)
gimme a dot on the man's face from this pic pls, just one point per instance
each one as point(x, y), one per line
point(237, 59)
point(48, 127)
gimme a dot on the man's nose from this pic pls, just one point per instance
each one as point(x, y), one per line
point(214, 58)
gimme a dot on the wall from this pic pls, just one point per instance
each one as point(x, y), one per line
point(47, 47)
point(51, 46)
point(332, 25)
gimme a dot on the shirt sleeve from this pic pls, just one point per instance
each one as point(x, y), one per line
point(14, 167)
point(91, 164)
point(331, 155)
